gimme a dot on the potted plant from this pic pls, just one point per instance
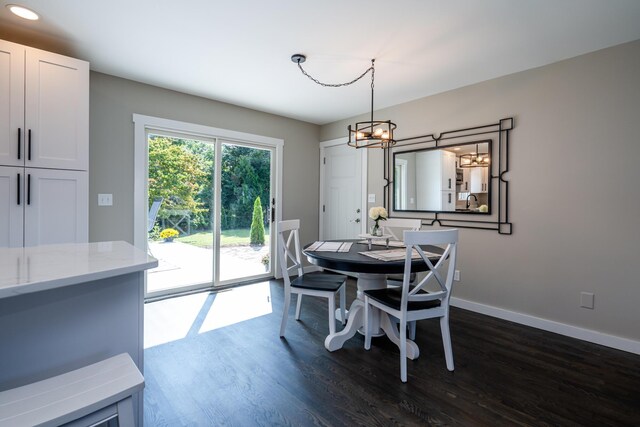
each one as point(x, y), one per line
point(266, 259)
point(168, 234)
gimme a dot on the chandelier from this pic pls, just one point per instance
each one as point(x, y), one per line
point(367, 134)
point(474, 160)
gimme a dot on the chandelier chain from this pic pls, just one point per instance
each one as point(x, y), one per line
point(373, 72)
point(340, 84)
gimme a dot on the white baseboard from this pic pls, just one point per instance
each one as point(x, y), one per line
point(549, 325)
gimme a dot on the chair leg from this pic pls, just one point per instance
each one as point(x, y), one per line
point(367, 326)
point(403, 349)
point(332, 314)
point(343, 304)
point(298, 306)
point(446, 341)
point(285, 311)
point(412, 330)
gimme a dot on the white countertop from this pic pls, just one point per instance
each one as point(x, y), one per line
point(40, 268)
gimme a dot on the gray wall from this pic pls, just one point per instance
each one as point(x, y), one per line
point(115, 100)
point(575, 201)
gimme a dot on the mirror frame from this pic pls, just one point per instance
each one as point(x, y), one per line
point(443, 147)
point(499, 220)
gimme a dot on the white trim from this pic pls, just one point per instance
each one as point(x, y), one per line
point(589, 335)
point(364, 172)
point(144, 123)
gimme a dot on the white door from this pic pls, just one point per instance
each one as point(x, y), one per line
point(56, 207)
point(57, 111)
point(11, 103)
point(11, 206)
point(342, 208)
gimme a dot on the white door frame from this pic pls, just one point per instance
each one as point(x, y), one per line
point(365, 173)
point(142, 124)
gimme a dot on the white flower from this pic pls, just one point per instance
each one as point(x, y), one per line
point(377, 213)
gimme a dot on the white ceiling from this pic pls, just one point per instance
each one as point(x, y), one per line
point(239, 51)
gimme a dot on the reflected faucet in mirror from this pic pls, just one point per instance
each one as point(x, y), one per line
point(469, 196)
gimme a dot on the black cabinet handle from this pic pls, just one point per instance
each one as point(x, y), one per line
point(19, 179)
point(449, 183)
point(28, 189)
point(19, 143)
point(466, 186)
point(449, 197)
point(29, 152)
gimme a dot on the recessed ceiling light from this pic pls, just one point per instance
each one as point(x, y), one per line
point(23, 12)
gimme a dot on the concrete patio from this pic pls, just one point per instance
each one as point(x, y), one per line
point(181, 264)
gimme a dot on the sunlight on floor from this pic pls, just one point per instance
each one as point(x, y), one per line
point(242, 303)
point(176, 318)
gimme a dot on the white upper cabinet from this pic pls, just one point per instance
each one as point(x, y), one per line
point(448, 170)
point(480, 179)
point(466, 181)
point(44, 147)
point(11, 103)
point(435, 180)
point(44, 113)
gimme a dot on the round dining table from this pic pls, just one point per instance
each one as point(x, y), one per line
point(372, 274)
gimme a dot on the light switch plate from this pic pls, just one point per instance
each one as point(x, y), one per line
point(105, 199)
point(372, 198)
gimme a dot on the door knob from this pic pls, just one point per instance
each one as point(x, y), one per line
point(357, 210)
point(357, 220)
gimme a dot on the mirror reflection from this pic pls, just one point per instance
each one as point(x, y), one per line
point(455, 178)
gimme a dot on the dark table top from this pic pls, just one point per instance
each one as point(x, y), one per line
point(355, 262)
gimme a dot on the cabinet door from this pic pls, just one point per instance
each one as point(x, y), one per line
point(56, 111)
point(11, 206)
point(448, 201)
point(56, 209)
point(11, 104)
point(466, 180)
point(448, 171)
point(479, 178)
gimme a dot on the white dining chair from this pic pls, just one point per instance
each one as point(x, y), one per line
point(395, 227)
point(411, 303)
point(318, 283)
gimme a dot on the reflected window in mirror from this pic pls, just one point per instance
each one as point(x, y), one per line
point(453, 179)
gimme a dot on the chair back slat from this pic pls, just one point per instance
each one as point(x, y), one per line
point(289, 249)
point(391, 226)
point(413, 240)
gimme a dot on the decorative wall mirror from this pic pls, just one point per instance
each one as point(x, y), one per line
point(452, 178)
point(458, 178)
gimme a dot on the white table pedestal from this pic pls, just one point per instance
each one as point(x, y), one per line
point(380, 322)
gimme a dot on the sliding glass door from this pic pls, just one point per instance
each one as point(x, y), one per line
point(210, 209)
point(246, 188)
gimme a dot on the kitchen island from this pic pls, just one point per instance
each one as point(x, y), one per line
point(66, 306)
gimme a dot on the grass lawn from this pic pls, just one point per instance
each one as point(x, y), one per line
point(237, 237)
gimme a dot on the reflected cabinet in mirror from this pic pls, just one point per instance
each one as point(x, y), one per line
point(453, 178)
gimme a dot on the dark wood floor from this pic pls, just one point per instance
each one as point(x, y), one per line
point(506, 374)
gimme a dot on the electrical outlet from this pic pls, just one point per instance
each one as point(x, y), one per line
point(456, 275)
point(105, 199)
point(587, 299)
